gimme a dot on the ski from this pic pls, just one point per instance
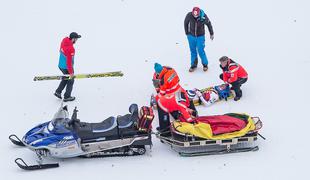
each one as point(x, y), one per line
point(15, 140)
point(23, 165)
point(79, 76)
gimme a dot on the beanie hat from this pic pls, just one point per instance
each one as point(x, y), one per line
point(158, 68)
point(196, 10)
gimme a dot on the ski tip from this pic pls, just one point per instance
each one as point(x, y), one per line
point(15, 140)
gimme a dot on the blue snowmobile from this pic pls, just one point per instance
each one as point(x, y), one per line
point(63, 137)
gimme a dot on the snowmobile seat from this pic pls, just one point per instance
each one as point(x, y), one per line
point(105, 130)
point(128, 120)
point(105, 125)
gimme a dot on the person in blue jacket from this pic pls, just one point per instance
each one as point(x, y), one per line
point(194, 26)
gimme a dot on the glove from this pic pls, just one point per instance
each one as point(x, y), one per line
point(153, 101)
point(212, 37)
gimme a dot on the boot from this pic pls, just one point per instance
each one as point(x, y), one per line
point(192, 68)
point(237, 98)
point(205, 68)
point(58, 95)
point(71, 98)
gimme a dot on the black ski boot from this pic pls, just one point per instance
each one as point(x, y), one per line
point(71, 98)
point(58, 95)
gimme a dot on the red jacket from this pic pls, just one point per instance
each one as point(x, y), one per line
point(169, 81)
point(67, 52)
point(175, 102)
point(233, 71)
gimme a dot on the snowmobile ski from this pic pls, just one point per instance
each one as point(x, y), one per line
point(15, 140)
point(79, 76)
point(23, 165)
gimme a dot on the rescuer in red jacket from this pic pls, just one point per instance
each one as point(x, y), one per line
point(234, 74)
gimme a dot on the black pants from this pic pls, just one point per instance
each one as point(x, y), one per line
point(236, 85)
point(65, 83)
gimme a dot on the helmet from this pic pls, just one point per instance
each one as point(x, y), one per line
point(211, 96)
point(191, 94)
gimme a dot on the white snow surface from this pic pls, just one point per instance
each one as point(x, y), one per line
point(270, 38)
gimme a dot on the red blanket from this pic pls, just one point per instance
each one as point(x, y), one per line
point(222, 123)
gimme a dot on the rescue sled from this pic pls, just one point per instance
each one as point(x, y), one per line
point(191, 140)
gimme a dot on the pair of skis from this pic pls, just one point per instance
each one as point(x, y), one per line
point(79, 76)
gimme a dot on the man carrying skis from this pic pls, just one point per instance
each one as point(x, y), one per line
point(66, 61)
point(234, 74)
point(194, 26)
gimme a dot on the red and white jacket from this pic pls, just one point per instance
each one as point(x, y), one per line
point(232, 71)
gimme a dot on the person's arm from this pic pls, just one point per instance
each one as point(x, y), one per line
point(209, 25)
point(233, 74)
point(186, 22)
point(69, 56)
point(225, 76)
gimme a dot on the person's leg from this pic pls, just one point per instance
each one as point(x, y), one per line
point(221, 76)
point(192, 41)
point(236, 87)
point(192, 107)
point(201, 51)
point(62, 83)
point(238, 90)
point(69, 88)
point(164, 119)
point(242, 81)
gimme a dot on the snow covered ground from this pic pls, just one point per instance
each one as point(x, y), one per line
point(269, 38)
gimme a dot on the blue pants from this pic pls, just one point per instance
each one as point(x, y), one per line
point(197, 43)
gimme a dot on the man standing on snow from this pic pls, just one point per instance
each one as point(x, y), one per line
point(66, 61)
point(194, 26)
point(233, 74)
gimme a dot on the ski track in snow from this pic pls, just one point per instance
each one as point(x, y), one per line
point(269, 38)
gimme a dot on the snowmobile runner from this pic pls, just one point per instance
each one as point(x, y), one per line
point(79, 76)
point(63, 137)
point(186, 144)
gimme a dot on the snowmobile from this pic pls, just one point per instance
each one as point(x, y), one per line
point(189, 144)
point(63, 137)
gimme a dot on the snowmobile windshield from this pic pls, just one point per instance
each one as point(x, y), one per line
point(59, 125)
